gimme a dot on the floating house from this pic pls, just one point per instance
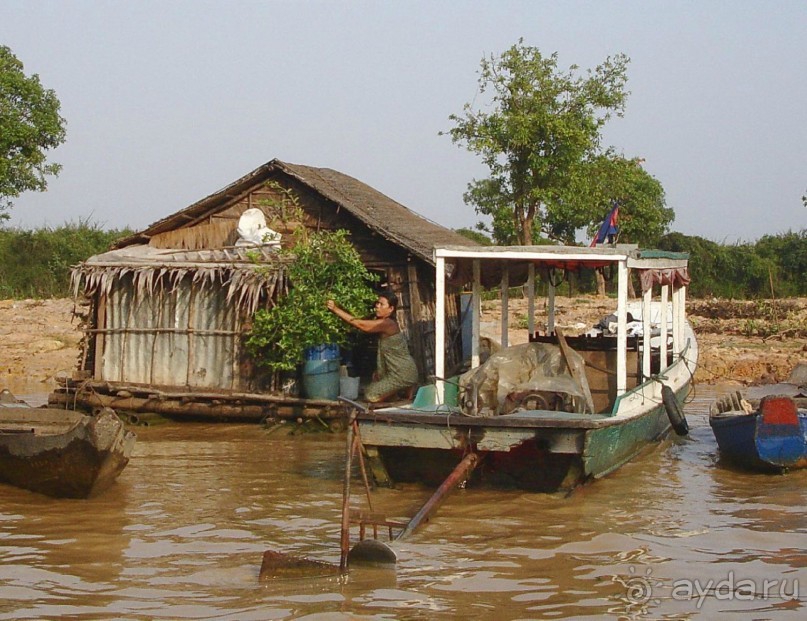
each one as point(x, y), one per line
point(166, 311)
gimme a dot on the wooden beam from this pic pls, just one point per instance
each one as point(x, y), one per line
point(197, 408)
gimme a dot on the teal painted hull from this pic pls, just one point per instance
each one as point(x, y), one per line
point(608, 449)
point(538, 451)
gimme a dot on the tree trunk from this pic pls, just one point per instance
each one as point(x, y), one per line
point(600, 284)
point(631, 288)
point(526, 232)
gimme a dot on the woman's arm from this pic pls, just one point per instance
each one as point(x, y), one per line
point(386, 327)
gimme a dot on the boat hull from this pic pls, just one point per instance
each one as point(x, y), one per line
point(62, 454)
point(762, 440)
point(538, 451)
point(735, 437)
point(559, 409)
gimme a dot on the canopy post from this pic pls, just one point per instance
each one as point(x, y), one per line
point(676, 319)
point(439, 328)
point(505, 285)
point(622, 323)
point(531, 299)
point(550, 300)
point(475, 306)
point(682, 316)
point(647, 301)
point(664, 327)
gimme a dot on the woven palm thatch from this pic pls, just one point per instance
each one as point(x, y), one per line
point(250, 275)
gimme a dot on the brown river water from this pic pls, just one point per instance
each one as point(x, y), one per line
point(674, 534)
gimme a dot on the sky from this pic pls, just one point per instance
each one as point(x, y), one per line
point(167, 102)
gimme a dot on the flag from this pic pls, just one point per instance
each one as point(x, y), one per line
point(608, 229)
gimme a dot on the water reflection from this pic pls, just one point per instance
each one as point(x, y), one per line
point(181, 535)
point(52, 551)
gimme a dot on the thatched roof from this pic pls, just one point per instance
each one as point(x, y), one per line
point(378, 212)
point(248, 274)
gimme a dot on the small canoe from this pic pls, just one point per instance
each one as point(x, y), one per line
point(768, 435)
point(62, 453)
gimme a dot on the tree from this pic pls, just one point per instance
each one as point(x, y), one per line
point(29, 125)
point(540, 137)
point(605, 178)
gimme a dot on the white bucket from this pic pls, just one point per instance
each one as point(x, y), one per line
point(349, 387)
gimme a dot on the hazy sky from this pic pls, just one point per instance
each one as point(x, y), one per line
point(167, 102)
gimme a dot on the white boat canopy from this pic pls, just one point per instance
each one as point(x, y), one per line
point(508, 265)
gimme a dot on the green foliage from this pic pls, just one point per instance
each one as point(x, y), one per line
point(539, 135)
point(788, 252)
point(29, 125)
point(36, 263)
point(772, 267)
point(284, 208)
point(322, 265)
point(478, 236)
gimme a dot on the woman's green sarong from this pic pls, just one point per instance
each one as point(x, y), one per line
point(395, 367)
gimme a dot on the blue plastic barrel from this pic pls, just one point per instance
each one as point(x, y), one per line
point(322, 352)
point(321, 379)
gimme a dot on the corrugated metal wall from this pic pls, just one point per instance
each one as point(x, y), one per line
point(185, 335)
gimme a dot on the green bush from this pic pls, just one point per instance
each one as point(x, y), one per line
point(36, 263)
point(774, 266)
point(788, 252)
point(323, 265)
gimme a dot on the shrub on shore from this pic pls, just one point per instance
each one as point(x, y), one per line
point(36, 263)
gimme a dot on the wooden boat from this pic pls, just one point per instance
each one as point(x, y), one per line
point(769, 434)
point(61, 453)
point(607, 398)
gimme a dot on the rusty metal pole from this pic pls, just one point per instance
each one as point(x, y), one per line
point(345, 535)
point(462, 470)
point(374, 552)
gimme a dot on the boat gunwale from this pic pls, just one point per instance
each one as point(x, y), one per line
point(46, 421)
point(672, 382)
point(452, 418)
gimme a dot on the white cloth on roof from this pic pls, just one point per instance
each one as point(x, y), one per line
point(252, 230)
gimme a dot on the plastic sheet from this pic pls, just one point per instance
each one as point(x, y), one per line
point(504, 383)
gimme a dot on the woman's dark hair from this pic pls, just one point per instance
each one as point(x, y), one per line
point(390, 297)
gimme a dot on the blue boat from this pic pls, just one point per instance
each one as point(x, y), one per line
point(770, 435)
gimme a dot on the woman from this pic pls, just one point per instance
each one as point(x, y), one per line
point(395, 367)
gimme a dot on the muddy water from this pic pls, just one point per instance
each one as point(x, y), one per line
point(674, 534)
